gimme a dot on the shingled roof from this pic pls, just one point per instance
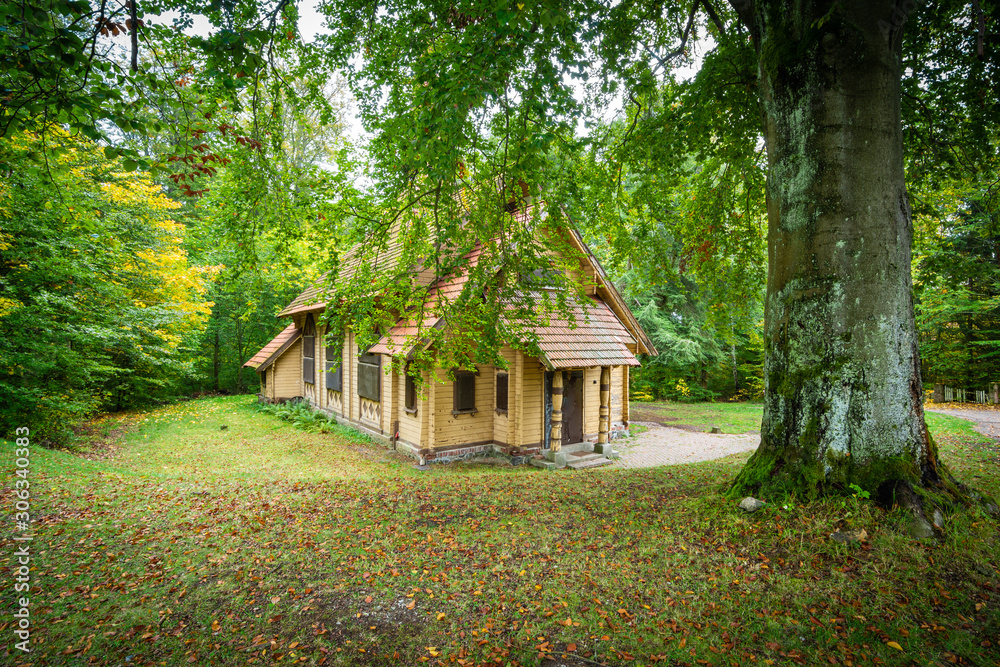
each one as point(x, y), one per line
point(273, 350)
point(400, 339)
point(596, 338)
point(603, 329)
point(313, 298)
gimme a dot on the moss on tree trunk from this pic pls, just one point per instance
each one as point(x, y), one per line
point(843, 392)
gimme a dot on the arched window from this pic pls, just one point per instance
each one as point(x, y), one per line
point(309, 351)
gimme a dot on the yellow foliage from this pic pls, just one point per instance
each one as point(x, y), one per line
point(8, 306)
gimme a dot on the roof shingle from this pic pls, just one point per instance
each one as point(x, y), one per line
point(272, 350)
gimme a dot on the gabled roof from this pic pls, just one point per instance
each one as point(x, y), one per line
point(602, 333)
point(270, 352)
point(313, 298)
point(616, 301)
point(597, 338)
point(400, 338)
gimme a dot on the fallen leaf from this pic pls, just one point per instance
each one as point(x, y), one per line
point(894, 645)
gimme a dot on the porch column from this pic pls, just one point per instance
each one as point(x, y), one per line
point(605, 413)
point(555, 435)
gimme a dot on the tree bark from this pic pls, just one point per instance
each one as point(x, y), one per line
point(843, 391)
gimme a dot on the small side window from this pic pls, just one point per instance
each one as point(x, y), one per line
point(502, 392)
point(370, 376)
point(334, 368)
point(410, 398)
point(465, 393)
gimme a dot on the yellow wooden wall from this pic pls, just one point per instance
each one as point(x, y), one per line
point(591, 400)
point(616, 392)
point(501, 420)
point(459, 429)
point(287, 378)
point(532, 401)
point(437, 427)
point(411, 424)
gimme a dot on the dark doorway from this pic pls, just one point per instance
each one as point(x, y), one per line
point(572, 408)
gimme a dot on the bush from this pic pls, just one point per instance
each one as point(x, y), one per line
point(301, 415)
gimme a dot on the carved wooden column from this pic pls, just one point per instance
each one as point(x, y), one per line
point(605, 413)
point(555, 435)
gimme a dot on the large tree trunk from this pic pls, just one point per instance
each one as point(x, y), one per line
point(843, 392)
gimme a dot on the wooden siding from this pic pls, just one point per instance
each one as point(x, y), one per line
point(625, 397)
point(411, 426)
point(617, 373)
point(532, 401)
point(501, 421)
point(287, 378)
point(452, 429)
point(386, 393)
point(591, 400)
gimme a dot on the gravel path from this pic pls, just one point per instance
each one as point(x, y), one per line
point(666, 445)
point(986, 422)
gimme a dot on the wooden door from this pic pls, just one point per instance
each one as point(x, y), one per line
point(572, 407)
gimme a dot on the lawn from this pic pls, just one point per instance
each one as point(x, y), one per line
point(728, 417)
point(183, 542)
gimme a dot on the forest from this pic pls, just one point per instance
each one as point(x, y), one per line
point(165, 193)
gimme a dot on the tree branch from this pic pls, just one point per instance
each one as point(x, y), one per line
point(134, 16)
point(687, 32)
point(977, 9)
point(712, 14)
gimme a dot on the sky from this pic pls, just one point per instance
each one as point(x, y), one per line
point(311, 24)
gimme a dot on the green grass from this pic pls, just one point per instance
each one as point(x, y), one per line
point(729, 417)
point(953, 427)
point(263, 544)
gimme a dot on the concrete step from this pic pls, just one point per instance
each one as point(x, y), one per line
point(578, 447)
point(539, 463)
point(583, 457)
point(591, 463)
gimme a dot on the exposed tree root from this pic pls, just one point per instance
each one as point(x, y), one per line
point(929, 491)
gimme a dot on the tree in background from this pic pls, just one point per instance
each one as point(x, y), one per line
point(101, 308)
point(957, 287)
point(673, 204)
point(273, 219)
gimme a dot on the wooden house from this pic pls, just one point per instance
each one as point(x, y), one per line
point(279, 367)
point(568, 404)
